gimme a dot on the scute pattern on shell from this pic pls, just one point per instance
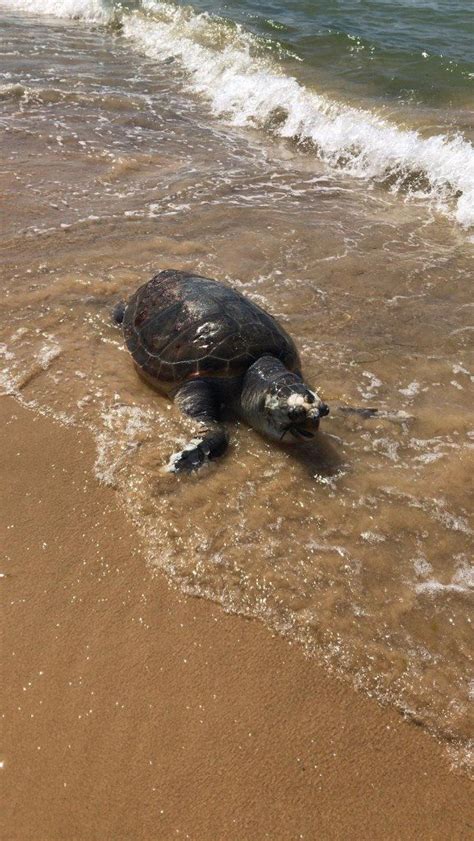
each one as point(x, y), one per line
point(179, 326)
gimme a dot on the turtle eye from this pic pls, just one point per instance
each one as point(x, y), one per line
point(310, 398)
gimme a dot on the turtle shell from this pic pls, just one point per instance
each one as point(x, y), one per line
point(180, 326)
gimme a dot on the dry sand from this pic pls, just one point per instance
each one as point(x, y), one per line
point(132, 712)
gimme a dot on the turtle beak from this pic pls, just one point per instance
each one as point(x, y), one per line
point(309, 424)
point(323, 410)
point(315, 414)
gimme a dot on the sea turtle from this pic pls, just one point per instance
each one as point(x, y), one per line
point(206, 346)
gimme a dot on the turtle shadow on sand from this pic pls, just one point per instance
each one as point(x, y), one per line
point(319, 457)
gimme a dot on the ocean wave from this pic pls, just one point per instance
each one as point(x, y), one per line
point(245, 86)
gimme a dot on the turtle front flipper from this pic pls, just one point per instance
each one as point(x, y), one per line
point(197, 399)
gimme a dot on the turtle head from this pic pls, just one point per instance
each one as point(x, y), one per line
point(278, 403)
point(292, 411)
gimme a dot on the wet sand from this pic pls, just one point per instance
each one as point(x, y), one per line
point(133, 712)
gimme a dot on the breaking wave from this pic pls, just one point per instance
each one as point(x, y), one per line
point(245, 83)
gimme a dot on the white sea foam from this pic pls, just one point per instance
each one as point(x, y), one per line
point(434, 587)
point(461, 582)
point(225, 64)
point(411, 390)
point(123, 430)
point(85, 9)
point(422, 567)
point(47, 354)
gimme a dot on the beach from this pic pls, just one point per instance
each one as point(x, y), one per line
point(133, 712)
point(280, 644)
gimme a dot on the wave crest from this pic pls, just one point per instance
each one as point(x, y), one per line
point(244, 85)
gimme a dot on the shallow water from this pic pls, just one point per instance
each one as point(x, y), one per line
point(357, 545)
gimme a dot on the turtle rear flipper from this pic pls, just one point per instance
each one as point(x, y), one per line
point(118, 312)
point(362, 411)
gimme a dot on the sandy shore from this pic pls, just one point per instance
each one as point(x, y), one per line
point(134, 713)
